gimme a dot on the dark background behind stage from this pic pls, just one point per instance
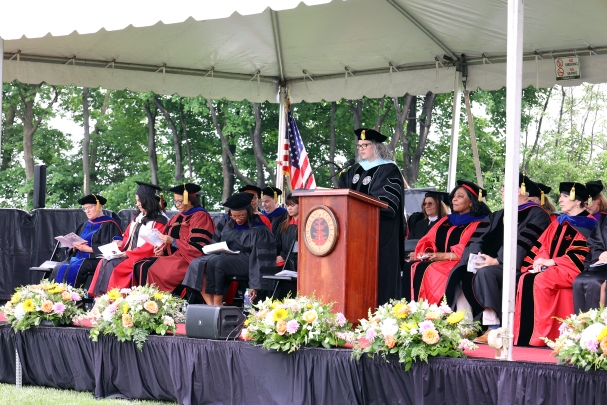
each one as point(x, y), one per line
point(27, 240)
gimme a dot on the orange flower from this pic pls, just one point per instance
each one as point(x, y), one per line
point(390, 341)
point(430, 316)
point(245, 334)
point(430, 336)
point(558, 347)
point(310, 316)
point(66, 296)
point(281, 327)
point(47, 306)
point(604, 345)
point(262, 314)
point(151, 307)
point(127, 320)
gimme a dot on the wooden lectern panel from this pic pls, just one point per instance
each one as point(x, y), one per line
point(348, 274)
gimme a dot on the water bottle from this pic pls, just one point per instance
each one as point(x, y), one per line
point(248, 302)
point(184, 308)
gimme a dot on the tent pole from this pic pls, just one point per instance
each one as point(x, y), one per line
point(514, 75)
point(282, 112)
point(477, 163)
point(457, 96)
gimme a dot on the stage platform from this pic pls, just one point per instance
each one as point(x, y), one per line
point(197, 371)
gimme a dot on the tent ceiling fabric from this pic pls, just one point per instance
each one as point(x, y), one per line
point(323, 39)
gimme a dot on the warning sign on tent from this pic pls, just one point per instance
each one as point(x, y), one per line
point(567, 68)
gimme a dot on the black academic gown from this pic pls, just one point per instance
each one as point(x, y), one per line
point(483, 289)
point(257, 258)
point(587, 286)
point(421, 228)
point(276, 217)
point(384, 182)
point(284, 243)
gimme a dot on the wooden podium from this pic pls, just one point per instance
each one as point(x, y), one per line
point(338, 249)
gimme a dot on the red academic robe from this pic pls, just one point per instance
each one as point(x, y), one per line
point(543, 296)
point(191, 231)
point(433, 280)
point(121, 274)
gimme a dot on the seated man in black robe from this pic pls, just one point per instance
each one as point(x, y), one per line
point(245, 233)
point(276, 214)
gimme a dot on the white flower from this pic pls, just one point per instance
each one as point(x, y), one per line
point(107, 315)
point(19, 312)
point(389, 327)
point(414, 306)
point(413, 331)
point(425, 305)
point(590, 333)
point(269, 319)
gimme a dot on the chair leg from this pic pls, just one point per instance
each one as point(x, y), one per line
point(231, 293)
point(603, 293)
point(275, 288)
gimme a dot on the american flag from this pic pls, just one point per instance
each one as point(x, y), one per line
point(297, 167)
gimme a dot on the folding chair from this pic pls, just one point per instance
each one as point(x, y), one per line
point(294, 249)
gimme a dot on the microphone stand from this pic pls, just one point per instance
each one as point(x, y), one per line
point(323, 165)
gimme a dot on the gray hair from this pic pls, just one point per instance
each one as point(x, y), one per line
point(380, 151)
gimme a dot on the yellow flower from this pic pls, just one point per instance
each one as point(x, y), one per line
point(456, 317)
point(15, 298)
point(125, 308)
point(114, 294)
point(280, 314)
point(273, 305)
point(247, 322)
point(408, 325)
point(28, 305)
point(56, 290)
point(9, 305)
point(430, 336)
point(602, 334)
point(158, 296)
point(401, 310)
point(431, 316)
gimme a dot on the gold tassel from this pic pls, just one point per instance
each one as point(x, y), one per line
point(98, 203)
point(523, 189)
point(185, 195)
point(543, 199)
point(162, 202)
point(480, 195)
point(572, 193)
point(362, 135)
point(589, 201)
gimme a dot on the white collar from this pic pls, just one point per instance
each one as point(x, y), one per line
point(432, 219)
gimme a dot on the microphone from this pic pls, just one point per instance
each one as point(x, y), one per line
point(348, 164)
point(327, 162)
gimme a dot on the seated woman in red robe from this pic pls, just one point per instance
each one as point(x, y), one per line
point(184, 237)
point(544, 289)
point(118, 273)
point(445, 249)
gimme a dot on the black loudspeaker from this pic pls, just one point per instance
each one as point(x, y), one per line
point(212, 322)
point(39, 186)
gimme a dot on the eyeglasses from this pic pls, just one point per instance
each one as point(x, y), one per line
point(428, 203)
point(362, 146)
point(85, 209)
point(177, 202)
point(235, 217)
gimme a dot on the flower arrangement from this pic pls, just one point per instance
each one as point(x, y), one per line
point(582, 340)
point(32, 304)
point(288, 324)
point(414, 330)
point(132, 314)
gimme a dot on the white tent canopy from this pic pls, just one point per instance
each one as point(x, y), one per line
point(218, 51)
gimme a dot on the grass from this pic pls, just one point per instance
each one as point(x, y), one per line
point(10, 394)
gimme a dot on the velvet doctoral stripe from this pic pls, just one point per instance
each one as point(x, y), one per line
point(57, 357)
point(7, 354)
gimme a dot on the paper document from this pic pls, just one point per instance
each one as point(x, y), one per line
point(287, 273)
point(49, 264)
point(598, 264)
point(70, 239)
point(220, 247)
point(110, 251)
point(473, 261)
point(151, 236)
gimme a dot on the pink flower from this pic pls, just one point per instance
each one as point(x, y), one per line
point(126, 291)
point(75, 297)
point(424, 326)
point(370, 335)
point(563, 328)
point(112, 308)
point(341, 319)
point(592, 345)
point(446, 309)
point(59, 308)
point(292, 326)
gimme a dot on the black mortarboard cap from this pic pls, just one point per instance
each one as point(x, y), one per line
point(239, 201)
point(189, 187)
point(439, 195)
point(249, 188)
point(147, 188)
point(369, 134)
point(544, 188)
point(271, 192)
point(93, 199)
point(478, 192)
point(163, 203)
point(575, 190)
point(533, 188)
point(594, 187)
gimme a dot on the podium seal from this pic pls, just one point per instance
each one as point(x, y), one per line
point(321, 230)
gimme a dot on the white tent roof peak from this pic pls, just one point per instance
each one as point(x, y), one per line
point(239, 38)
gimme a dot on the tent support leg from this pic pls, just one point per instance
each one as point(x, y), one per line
point(1, 72)
point(477, 162)
point(514, 77)
point(282, 119)
point(457, 97)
